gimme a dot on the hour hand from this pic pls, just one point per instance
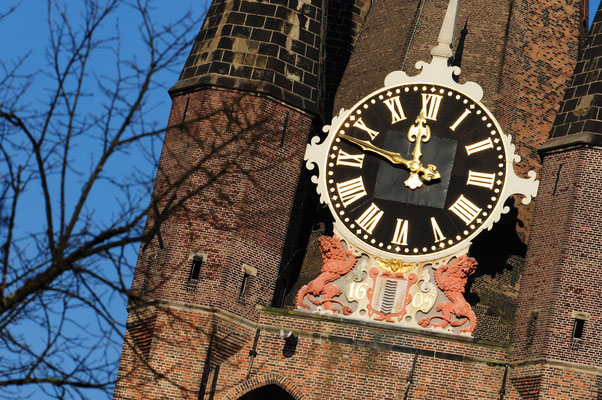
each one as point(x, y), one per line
point(429, 172)
point(395, 158)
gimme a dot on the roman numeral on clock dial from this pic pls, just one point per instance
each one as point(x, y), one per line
point(480, 179)
point(459, 120)
point(394, 105)
point(479, 146)
point(360, 124)
point(437, 231)
point(401, 233)
point(466, 210)
point(350, 160)
point(351, 191)
point(430, 105)
point(369, 219)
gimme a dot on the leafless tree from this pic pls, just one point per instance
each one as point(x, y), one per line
point(79, 143)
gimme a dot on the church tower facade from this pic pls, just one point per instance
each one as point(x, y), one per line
point(228, 243)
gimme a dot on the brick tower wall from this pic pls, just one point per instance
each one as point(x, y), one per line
point(562, 274)
point(331, 360)
point(239, 160)
point(344, 20)
point(541, 54)
point(561, 280)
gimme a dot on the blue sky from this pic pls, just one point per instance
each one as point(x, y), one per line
point(26, 32)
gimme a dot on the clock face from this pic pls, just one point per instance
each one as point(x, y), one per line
point(415, 171)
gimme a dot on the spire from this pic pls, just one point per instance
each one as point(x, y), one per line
point(579, 121)
point(446, 35)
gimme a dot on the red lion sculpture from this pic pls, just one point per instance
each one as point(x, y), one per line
point(337, 262)
point(452, 285)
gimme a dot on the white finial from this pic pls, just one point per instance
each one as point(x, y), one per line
point(446, 35)
point(438, 70)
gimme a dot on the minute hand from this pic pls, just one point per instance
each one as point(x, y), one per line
point(395, 158)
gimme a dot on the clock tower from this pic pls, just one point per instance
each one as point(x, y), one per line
point(390, 267)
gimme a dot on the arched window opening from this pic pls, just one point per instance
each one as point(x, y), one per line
point(269, 392)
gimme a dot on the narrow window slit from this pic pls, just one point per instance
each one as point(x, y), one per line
point(248, 272)
point(284, 129)
point(195, 270)
point(557, 179)
point(185, 110)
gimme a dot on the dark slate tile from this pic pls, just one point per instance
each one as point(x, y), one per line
point(273, 24)
point(236, 18)
point(261, 35)
point(255, 20)
point(576, 127)
point(219, 68)
point(279, 38)
point(241, 32)
point(268, 49)
point(283, 81)
point(276, 65)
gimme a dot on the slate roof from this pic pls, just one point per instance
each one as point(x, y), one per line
point(579, 120)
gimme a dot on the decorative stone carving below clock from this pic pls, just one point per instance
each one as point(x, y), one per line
point(372, 292)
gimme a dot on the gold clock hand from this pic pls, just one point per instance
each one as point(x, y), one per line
point(395, 158)
point(430, 172)
point(420, 132)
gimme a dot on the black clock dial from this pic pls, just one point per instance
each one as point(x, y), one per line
point(415, 169)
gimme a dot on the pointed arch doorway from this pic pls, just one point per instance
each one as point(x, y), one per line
point(269, 392)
